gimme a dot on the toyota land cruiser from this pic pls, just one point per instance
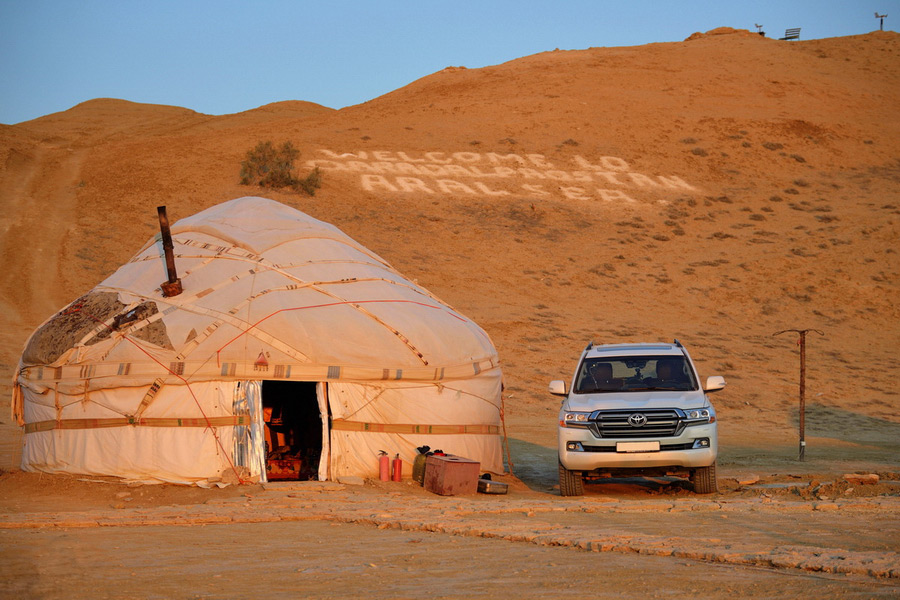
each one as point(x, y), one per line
point(636, 410)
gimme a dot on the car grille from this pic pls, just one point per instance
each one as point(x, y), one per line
point(619, 423)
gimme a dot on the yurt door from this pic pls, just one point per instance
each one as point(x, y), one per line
point(294, 429)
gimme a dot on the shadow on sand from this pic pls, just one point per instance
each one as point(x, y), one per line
point(841, 424)
point(537, 467)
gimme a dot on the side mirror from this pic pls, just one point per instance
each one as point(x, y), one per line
point(557, 387)
point(714, 383)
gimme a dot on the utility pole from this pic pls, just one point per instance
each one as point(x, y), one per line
point(802, 343)
point(880, 18)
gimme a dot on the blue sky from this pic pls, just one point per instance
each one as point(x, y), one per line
point(229, 56)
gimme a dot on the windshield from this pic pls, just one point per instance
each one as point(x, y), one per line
point(633, 374)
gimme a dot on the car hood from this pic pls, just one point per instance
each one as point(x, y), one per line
point(636, 400)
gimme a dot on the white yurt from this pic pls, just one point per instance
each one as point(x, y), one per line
point(292, 352)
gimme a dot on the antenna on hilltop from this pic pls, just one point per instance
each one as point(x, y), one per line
point(881, 18)
point(759, 29)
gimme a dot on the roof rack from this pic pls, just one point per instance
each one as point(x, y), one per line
point(589, 346)
point(677, 343)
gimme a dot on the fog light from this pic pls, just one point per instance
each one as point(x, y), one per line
point(574, 446)
point(701, 443)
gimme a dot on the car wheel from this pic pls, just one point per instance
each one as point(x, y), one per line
point(571, 483)
point(704, 479)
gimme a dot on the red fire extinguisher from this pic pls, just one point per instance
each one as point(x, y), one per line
point(398, 467)
point(384, 466)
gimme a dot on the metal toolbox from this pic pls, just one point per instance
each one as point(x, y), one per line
point(451, 475)
point(486, 486)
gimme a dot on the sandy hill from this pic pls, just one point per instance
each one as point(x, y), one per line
point(716, 190)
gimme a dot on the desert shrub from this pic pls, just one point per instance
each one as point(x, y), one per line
point(268, 166)
point(310, 183)
point(272, 167)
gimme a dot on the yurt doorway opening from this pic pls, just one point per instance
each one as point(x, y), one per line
point(293, 426)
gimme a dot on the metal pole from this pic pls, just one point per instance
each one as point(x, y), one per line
point(802, 395)
point(802, 343)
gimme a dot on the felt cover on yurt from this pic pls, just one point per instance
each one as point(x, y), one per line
point(129, 383)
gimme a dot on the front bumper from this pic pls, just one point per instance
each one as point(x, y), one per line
point(600, 453)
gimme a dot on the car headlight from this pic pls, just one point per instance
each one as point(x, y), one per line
point(574, 419)
point(699, 416)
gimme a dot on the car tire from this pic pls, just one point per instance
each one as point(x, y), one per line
point(704, 480)
point(571, 483)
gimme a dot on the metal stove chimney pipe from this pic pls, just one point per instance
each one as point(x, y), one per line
point(171, 287)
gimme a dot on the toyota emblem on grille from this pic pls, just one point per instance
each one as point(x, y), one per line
point(637, 420)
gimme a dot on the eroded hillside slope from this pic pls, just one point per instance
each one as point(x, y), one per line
point(716, 190)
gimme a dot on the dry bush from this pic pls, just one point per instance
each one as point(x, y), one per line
point(710, 263)
point(272, 167)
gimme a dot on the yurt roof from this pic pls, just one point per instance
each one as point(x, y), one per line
point(268, 292)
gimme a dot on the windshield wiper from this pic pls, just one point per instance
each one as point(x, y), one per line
point(648, 389)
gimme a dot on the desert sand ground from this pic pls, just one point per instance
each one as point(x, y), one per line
point(716, 190)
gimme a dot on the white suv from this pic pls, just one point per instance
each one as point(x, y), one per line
point(636, 409)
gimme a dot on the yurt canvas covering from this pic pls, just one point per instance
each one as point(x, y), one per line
point(290, 340)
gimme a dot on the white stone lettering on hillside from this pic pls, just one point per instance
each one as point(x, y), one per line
point(496, 175)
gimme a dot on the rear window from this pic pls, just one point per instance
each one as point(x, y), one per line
point(634, 374)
